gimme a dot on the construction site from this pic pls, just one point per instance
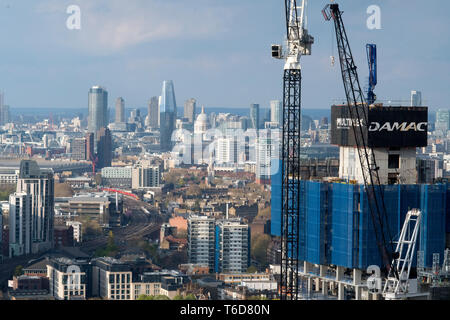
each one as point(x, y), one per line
point(372, 232)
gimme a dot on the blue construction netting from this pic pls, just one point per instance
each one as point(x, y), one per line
point(342, 224)
point(337, 228)
point(432, 234)
point(275, 219)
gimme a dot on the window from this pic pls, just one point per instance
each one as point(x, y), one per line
point(394, 161)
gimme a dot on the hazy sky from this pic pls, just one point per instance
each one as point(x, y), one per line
point(217, 51)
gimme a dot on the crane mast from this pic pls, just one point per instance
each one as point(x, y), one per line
point(299, 43)
point(358, 111)
point(372, 60)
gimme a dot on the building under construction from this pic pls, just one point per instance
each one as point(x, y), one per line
point(336, 234)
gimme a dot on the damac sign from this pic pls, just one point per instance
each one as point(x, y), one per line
point(397, 126)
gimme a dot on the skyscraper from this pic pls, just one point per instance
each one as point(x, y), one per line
point(276, 112)
point(189, 109)
point(168, 115)
point(416, 99)
point(98, 109)
point(39, 185)
point(153, 113)
point(104, 148)
point(4, 111)
point(443, 120)
point(120, 110)
point(254, 116)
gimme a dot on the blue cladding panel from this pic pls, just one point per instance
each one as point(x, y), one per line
point(342, 225)
point(432, 235)
point(314, 235)
point(217, 251)
point(275, 220)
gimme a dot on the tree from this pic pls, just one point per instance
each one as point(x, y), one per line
point(145, 297)
point(18, 271)
point(190, 296)
point(111, 239)
point(259, 248)
point(161, 297)
point(252, 269)
point(63, 190)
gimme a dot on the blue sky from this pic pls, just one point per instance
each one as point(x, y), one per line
point(217, 51)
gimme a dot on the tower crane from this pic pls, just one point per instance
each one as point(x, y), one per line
point(372, 60)
point(298, 43)
point(358, 110)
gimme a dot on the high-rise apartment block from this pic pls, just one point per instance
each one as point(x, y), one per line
point(20, 237)
point(232, 246)
point(223, 246)
point(38, 185)
point(145, 177)
point(201, 231)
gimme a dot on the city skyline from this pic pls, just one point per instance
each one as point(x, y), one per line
point(146, 53)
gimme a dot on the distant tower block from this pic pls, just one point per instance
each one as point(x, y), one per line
point(394, 133)
point(416, 99)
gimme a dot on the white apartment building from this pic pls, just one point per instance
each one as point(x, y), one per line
point(20, 240)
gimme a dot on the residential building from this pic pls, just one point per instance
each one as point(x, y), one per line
point(158, 283)
point(232, 252)
point(201, 232)
point(146, 177)
point(78, 149)
point(39, 185)
point(112, 279)
point(68, 279)
point(77, 234)
point(227, 150)
point(117, 176)
point(63, 236)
